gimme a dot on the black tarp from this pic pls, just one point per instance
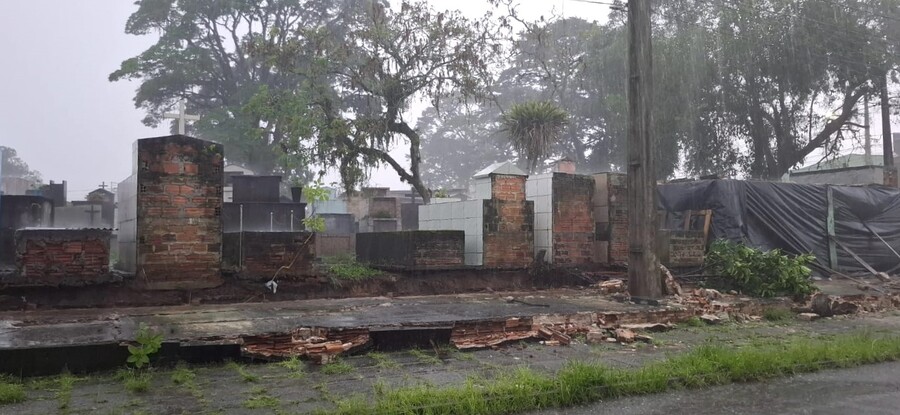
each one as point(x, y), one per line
point(793, 217)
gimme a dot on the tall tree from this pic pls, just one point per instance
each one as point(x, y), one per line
point(202, 57)
point(458, 141)
point(788, 76)
point(362, 82)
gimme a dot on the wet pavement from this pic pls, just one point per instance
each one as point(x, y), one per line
point(53, 328)
point(866, 390)
point(302, 387)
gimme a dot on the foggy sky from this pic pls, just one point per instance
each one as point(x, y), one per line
point(66, 120)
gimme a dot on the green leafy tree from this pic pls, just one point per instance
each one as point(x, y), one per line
point(365, 75)
point(533, 128)
point(202, 56)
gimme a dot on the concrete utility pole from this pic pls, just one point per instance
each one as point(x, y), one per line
point(890, 174)
point(643, 267)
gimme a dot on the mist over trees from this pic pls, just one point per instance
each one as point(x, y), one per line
point(742, 88)
point(14, 166)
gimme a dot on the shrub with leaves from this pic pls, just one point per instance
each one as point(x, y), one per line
point(758, 273)
point(146, 344)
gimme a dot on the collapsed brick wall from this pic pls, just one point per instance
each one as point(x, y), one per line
point(179, 204)
point(259, 255)
point(573, 222)
point(412, 249)
point(62, 257)
point(508, 223)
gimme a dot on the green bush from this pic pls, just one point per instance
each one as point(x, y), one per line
point(758, 273)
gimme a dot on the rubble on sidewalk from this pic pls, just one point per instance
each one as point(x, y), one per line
point(319, 345)
point(612, 286)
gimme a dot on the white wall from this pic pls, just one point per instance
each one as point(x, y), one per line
point(539, 189)
point(466, 216)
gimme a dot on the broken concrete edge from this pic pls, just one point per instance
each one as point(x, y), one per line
point(323, 345)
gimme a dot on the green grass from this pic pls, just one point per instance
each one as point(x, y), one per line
point(186, 378)
point(580, 383)
point(777, 314)
point(65, 382)
point(242, 371)
point(425, 357)
point(382, 361)
point(337, 367)
point(261, 399)
point(183, 376)
point(345, 268)
point(694, 321)
point(10, 391)
point(295, 366)
point(137, 381)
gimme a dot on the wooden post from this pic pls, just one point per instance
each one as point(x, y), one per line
point(643, 266)
point(890, 174)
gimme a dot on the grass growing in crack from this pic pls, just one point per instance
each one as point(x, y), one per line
point(136, 381)
point(261, 399)
point(295, 366)
point(580, 383)
point(382, 361)
point(65, 382)
point(425, 357)
point(337, 367)
point(11, 391)
point(186, 378)
point(242, 371)
point(777, 314)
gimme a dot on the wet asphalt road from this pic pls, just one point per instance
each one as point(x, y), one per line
point(865, 390)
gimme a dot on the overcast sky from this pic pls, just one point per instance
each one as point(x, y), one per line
point(65, 119)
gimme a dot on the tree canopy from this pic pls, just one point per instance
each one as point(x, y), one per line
point(742, 87)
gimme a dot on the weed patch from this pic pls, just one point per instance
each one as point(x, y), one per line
point(425, 357)
point(777, 315)
point(261, 399)
point(295, 366)
point(11, 392)
point(580, 383)
point(382, 361)
point(183, 376)
point(337, 367)
point(64, 391)
point(345, 268)
point(137, 381)
point(242, 371)
point(694, 321)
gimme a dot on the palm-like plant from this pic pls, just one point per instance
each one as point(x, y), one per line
point(533, 128)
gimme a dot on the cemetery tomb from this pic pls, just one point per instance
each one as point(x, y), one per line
point(563, 217)
point(171, 224)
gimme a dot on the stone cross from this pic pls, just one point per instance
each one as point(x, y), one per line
point(181, 116)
